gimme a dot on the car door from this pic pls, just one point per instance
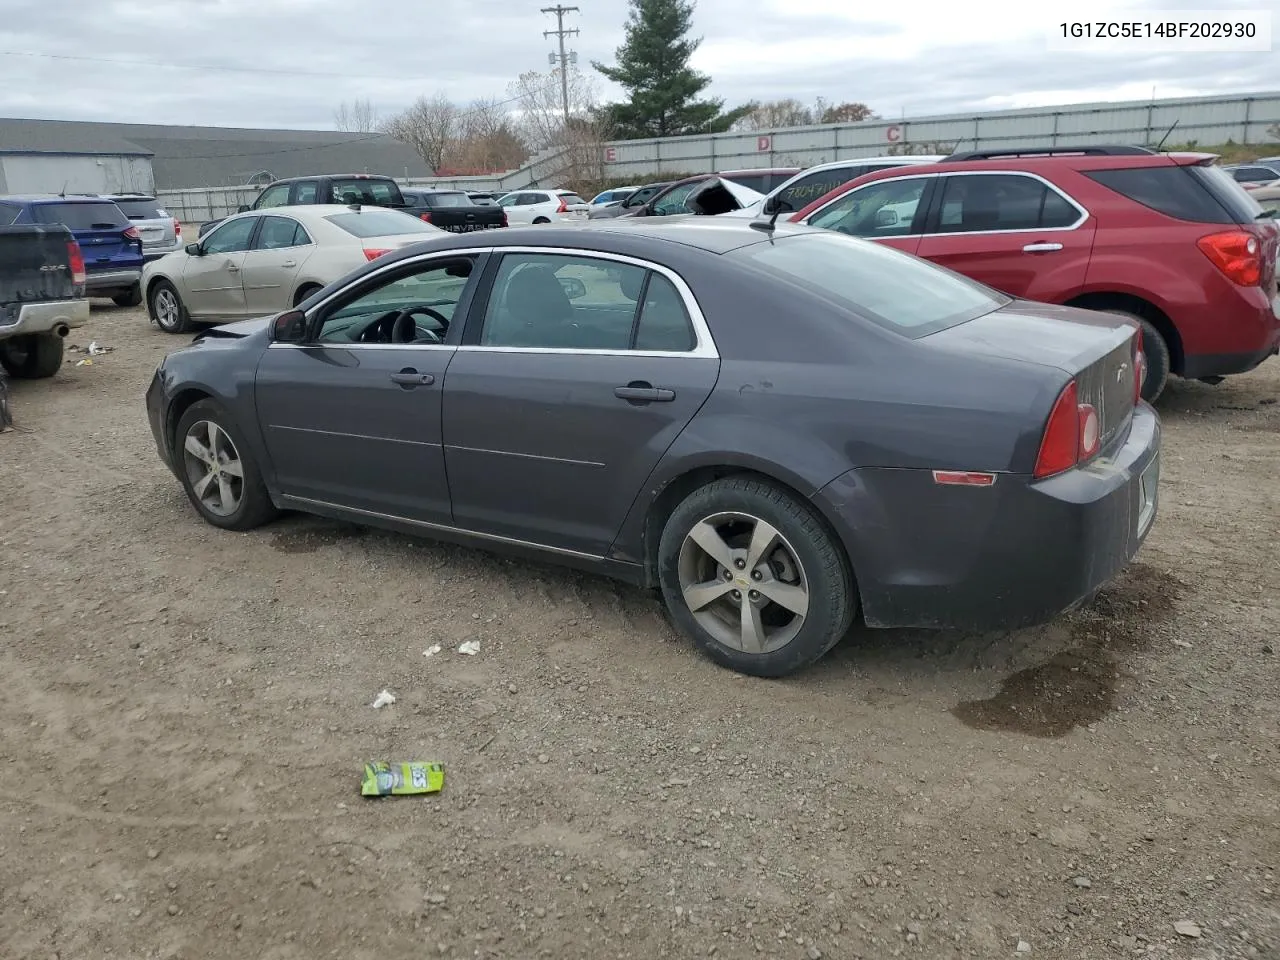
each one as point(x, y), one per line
point(270, 273)
point(351, 419)
point(890, 211)
point(517, 206)
point(1013, 231)
point(212, 282)
point(573, 380)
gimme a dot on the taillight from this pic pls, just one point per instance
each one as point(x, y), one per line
point(1072, 434)
point(76, 257)
point(505, 221)
point(1237, 254)
point(1139, 366)
point(564, 207)
point(425, 216)
point(373, 253)
point(177, 228)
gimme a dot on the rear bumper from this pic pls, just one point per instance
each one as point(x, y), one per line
point(1015, 554)
point(1244, 329)
point(112, 279)
point(46, 317)
point(155, 253)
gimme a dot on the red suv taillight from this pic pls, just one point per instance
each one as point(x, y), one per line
point(132, 234)
point(564, 207)
point(1237, 253)
point(76, 257)
point(425, 216)
point(177, 228)
point(1071, 435)
point(373, 253)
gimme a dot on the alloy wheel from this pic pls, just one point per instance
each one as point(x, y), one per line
point(167, 310)
point(213, 467)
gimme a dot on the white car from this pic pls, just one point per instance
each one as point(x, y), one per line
point(544, 206)
point(262, 262)
point(813, 182)
point(616, 195)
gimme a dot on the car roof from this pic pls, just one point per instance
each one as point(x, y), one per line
point(728, 173)
point(333, 176)
point(318, 211)
point(56, 198)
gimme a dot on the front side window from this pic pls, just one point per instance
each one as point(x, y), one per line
point(886, 208)
point(231, 237)
point(411, 308)
point(557, 301)
point(280, 232)
point(814, 185)
point(887, 287)
point(510, 200)
point(1001, 202)
point(277, 196)
point(673, 202)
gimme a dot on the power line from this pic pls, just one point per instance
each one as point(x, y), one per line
point(560, 33)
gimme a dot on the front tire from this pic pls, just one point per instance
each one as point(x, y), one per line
point(131, 299)
point(752, 574)
point(167, 308)
point(32, 356)
point(217, 470)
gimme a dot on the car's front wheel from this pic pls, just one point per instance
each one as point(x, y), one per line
point(755, 577)
point(218, 471)
point(167, 309)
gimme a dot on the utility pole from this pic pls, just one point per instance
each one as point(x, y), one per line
point(564, 57)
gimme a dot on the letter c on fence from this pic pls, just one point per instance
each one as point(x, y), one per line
point(610, 154)
point(763, 144)
point(893, 134)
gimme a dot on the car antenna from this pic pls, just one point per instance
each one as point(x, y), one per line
point(1166, 136)
point(63, 192)
point(773, 220)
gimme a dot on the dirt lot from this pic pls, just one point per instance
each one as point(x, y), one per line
point(184, 714)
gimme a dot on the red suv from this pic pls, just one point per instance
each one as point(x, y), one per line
point(1169, 239)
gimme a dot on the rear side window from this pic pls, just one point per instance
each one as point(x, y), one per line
point(376, 192)
point(141, 209)
point(448, 200)
point(973, 204)
point(1184, 193)
point(81, 216)
point(306, 191)
point(379, 223)
point(870, 280)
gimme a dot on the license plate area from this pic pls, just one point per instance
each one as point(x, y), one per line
point(1149, 484)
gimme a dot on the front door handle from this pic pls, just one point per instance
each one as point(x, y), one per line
point(289, 263)
point(410, 378)
point(1041, 247)
point(232, 268)
point(640, 391)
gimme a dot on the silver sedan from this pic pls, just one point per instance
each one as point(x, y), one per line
point(264, 261)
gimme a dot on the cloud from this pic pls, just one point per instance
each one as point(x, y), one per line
point(289, 63)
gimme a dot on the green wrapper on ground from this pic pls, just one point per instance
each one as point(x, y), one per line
point(401, 779)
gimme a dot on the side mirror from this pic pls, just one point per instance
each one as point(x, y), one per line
point(243, 208)
point(194, 250)
point(574, 288)
point(886, 218)
point(770, 206)
point(289, 327)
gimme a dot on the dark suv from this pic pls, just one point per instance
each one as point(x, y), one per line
point(111, 245)
point(1169, 239)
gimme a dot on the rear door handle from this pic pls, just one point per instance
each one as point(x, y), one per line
point(1041, 247)
point(232, 268)
point(641, 392)
point(412, 378)
point(289, 263)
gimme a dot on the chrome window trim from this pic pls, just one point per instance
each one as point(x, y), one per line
point(705, 346)
point(1079, 222)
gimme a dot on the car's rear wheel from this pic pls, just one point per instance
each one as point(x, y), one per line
point(32, 356)
point(540, 220)
point(305, 291)
point(753, 575)
point(130, 299)
point(217, 470)
point(167, 309)
point(1156, 350)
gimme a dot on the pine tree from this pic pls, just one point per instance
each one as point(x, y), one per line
point(653, 67)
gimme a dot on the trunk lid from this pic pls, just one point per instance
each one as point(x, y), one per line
point(35, 265)
point(99, 226)
point(1094, 348)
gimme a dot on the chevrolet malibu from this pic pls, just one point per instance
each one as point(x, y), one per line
point(776, 428)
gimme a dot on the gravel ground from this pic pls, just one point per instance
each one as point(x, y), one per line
point(184, 714)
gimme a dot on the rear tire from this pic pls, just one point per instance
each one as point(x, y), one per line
point(753, 575)
point(131, 299)
point(304, 292)
point(538, 220)
point(33, 356)
point(1157, 353)
point(167, 309)
point(218, 471)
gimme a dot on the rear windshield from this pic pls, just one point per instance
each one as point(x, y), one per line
point(382, 193)
point(897, 291)
point(142, 209)
point(90, 215)
point(571, 198)
point(379, 223)
point(449, 200)
point(1199, 194)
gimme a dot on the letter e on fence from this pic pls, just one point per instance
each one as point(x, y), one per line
point(763, 144)
point(893, 134)
point(610, 154)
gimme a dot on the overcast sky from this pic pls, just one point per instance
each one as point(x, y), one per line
point(288, 63)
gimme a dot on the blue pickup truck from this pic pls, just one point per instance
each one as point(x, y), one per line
point(111, 245)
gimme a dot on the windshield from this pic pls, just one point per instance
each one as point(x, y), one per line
point(571, 198)
point(449, 200)
point(379, 223)
point(892, 289)
point(142, 209)
point(100, 215)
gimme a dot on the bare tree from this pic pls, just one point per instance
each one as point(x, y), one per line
point(360, 116)
point(430, 126)
point(772, 114)
point(489, 138)
point(848, 112)
point(543, 125)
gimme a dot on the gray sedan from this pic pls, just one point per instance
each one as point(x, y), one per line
point(778, 429)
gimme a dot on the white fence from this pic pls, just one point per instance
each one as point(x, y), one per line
point(1244, 119)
